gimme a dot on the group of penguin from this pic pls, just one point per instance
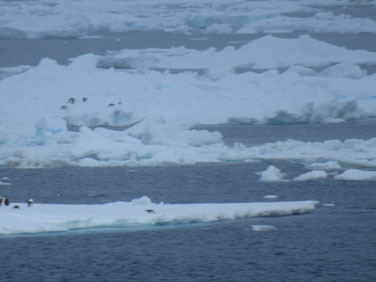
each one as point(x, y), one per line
point(73, 100)
point(5, 202)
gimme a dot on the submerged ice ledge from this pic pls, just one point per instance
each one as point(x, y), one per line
point(140, 212)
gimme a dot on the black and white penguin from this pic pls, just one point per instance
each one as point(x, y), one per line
point(150, 211)
point(15, 207)
point(30, 202)
point(4, 201)
point(71, 100)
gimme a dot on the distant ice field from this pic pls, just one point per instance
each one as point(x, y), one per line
point(123, 88)
point(247, 63)
point(40, 19)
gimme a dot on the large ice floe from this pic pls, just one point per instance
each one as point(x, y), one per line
point(137, 213)
point(163, 107)
point(264, 53)
point(70, 18)
point(357, 175)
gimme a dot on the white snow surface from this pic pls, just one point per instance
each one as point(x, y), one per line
point(329, 165)
point(54, 18)
point(166, 106)
point(357, 175)
point(58, 217)
point(312, 175)
point(271, 174)
point(266, 52)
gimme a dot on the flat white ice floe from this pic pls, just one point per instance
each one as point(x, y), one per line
point(356, 175)
point(312, 175)
point(142, 212)
point(261, 53)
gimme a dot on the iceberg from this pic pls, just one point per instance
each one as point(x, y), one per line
point(41, 218)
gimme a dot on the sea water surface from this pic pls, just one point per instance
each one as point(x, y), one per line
point(335, 242)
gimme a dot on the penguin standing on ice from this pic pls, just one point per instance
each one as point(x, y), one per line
point(30, 202)
point(4, 201)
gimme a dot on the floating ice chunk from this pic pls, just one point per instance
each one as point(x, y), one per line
point(312, 175)
point(329, 165)
point(347, 70)
point(144, 200)
point(357, 175)
point(271, 197)
point(263, 228)
point(271, 174)
point(302, 71)
point(262, 53)
point(5, 181)
point(55, 217)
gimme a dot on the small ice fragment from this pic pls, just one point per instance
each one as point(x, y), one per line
point(329, 165)
point(271, 197)
point(271, 174)
point(312, 175)
point(263, 228)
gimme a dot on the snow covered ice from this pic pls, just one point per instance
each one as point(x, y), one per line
point(57, 218)
point(271, 174)
point(357, 175)
point(164, 93)
point(312, 175)
point(53, 18)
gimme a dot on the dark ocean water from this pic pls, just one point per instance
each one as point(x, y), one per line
point(334, 243)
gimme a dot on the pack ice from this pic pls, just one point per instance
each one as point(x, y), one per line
point(139, 212)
